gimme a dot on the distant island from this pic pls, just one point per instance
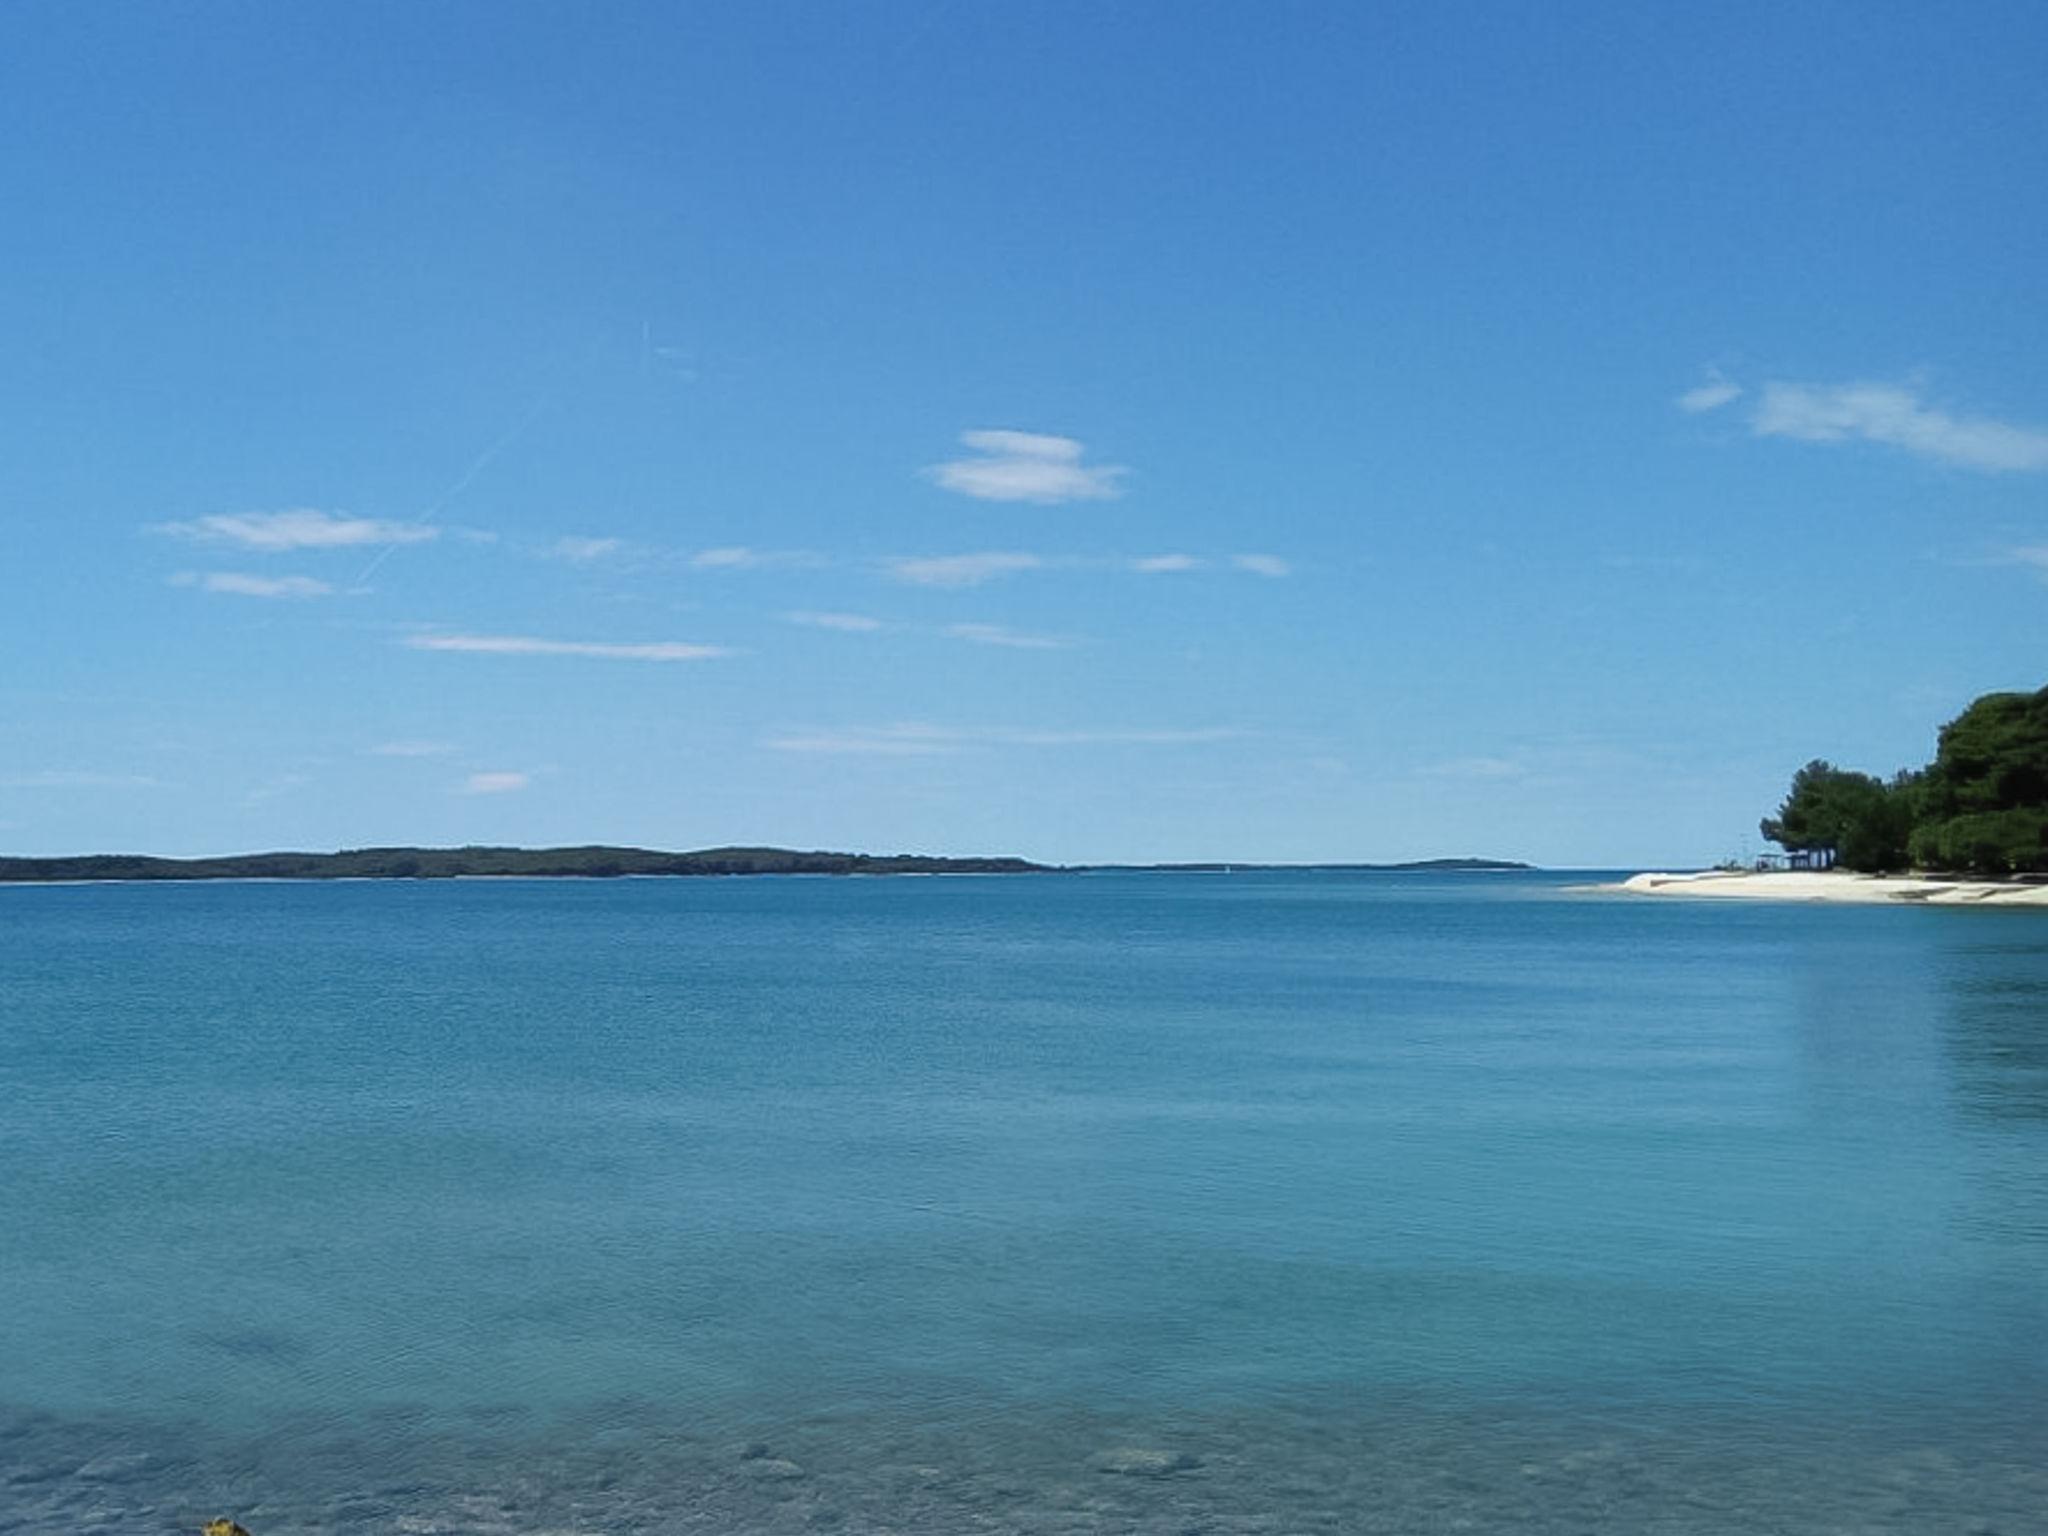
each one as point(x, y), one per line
point(1411, 866)
point(596, 862)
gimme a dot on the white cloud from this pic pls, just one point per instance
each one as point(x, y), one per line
point(1002, 634)
point(1002, 442)
point(1893, 414)
point(411, 749)
point(494, 783)
point(915, 738)
point(961, 570)
point(578, 551)
point(1152, 565)
point(242, 584)
point(1261, 565)
point(1026, 466)
point(302, 528)
point(1710, 396)
point(848, 623)
point(528, 645)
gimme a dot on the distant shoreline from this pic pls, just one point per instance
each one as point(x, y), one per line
point(1226, 867)
point(1836, 886)
point(589, 862)
point(597, 862)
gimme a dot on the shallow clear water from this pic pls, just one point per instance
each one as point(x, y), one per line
point(1259, 1202)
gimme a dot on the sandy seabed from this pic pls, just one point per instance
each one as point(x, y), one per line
point(1385, 1474)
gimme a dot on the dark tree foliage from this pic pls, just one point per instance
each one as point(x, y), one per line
point(1986, 842)
point(1845, 818)
point(1981, 806)
point(1985, 799)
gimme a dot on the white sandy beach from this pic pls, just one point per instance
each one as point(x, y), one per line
point(1837, 886)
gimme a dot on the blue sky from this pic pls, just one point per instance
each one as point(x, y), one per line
point(1090, 432)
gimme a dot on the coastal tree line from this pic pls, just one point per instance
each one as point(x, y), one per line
point(595, 862)
point(1980, 807)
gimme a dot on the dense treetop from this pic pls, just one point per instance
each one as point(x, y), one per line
point(1981, 806)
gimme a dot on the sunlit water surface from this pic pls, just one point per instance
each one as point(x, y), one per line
point(1163, 1203)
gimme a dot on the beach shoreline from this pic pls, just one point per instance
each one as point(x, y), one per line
point(1834, 886)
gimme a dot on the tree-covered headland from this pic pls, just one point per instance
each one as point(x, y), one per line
point(1980, 807)
point(473, 863)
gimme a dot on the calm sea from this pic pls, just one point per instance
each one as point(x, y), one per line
point(1181, 1203)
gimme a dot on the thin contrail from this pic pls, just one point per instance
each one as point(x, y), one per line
point(476, 467)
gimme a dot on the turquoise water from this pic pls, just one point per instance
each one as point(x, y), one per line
point(1260, 1202)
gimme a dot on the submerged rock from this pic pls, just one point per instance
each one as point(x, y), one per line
point(117, 1467)
point(37, 1472)
point(1140, 1461)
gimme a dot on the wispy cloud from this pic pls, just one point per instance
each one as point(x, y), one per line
point(412, 749)
point(243, 584)
point(860, 744)
point(1895, 415)
point(1200, 737)
point(917, 738)
point(1262, 565)
point(499, 783)
point(1717, 391)
point(976, 634)
point(2034, 555)
point(529, 645)
point(64, 778)
point(730, 557)
point(1026, 466)
point(960, 570)
point(741, 557)
point(277, 787)
point(1002, 634)
point(675, 362)
point(301, 528)
point(1630, 560)
point(580, 551)
point(847, 623)
point(971, 570)
point(1475, 768)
